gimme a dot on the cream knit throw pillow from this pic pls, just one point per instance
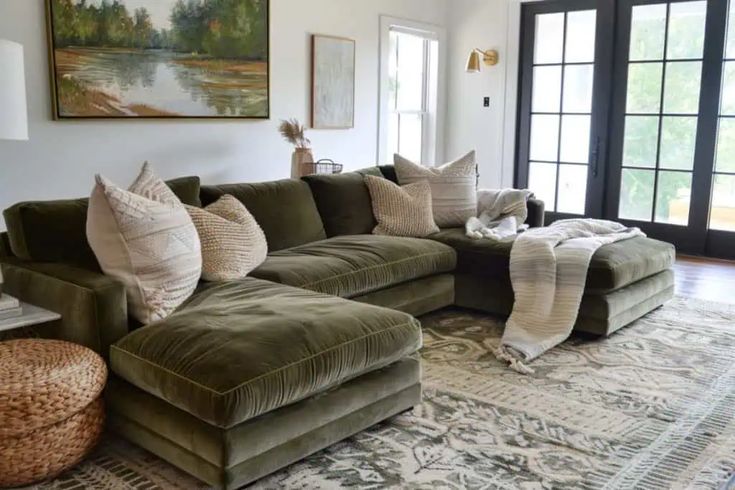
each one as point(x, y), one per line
point(453, 187)
point(233, 244)
point(401, 211)
point(145, 238)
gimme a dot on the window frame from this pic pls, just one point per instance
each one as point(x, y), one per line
point(434, 103)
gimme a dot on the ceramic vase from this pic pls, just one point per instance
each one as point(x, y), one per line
point(300, 162)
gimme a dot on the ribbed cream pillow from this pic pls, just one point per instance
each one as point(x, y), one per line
point(401, 211)
point(233, 244)
point(453, 187)
point(144, 237)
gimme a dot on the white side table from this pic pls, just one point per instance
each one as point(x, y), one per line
point(32, 315)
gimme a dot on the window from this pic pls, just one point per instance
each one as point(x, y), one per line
point(410, 87)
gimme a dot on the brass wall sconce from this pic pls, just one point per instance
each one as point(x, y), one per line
point(490, 57)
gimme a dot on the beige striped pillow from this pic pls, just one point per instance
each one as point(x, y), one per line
point(233, 244)
point(144, 237)
point(401, 211)
point(453, 187)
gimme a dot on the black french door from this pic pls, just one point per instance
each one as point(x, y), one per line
point(565, 75)
point(662, 132)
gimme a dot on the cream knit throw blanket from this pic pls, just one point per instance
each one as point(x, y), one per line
point(548, 270)
point(502, 212)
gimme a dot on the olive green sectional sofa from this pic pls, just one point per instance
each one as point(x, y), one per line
point(319, 343)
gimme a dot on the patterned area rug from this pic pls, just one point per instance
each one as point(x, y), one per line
point(651, 407)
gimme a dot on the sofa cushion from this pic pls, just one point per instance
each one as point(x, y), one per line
point(453, 187)
point(344, 202)
point(621, 263)
point(354, 265)
point(389, 172)
point(55, 231)
point(5, 250)
point(145, 238)
point(239, 349)
point(284, 209)
point(483, 257)
point(233, 244)
point(401, 210)
point(612, 267)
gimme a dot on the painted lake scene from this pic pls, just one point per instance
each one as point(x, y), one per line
point(160, 58)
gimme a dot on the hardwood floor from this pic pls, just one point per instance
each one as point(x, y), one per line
point(706, 279)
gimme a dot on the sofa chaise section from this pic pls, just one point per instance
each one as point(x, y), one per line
point(239, 349)
point(625, 280)
point(242, 351)
point(230, 458)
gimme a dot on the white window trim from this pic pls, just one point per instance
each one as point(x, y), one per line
point(433, 153)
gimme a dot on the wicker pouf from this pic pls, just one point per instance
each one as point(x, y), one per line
point(51, 412)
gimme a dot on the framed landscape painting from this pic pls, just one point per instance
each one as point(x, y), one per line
point(159, 58)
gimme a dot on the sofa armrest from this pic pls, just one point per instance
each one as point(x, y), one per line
point(536, 209)
point(93, 307)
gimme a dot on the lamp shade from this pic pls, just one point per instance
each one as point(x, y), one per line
point(473, 62)
point(13, 110)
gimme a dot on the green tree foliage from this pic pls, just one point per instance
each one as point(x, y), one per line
point(218, 28)
point(79, 23)
point(190, 22)
point(142, 28)
point(236, 29)
point(221, 28)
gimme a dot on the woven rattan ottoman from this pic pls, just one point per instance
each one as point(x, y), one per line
point(51, 412)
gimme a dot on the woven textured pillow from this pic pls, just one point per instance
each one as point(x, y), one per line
point(401, 211)
point(233, 244)
point(144, 237)
point(453, 187)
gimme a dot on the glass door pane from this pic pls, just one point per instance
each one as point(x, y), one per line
point(561, 107)
point(661, 112)
point(722, 206)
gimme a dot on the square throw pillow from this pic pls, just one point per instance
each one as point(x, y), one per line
point(401, 210)
point(233, 244)
point(145, 238)
point(453, 187)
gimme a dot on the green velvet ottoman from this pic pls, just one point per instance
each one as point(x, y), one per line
point(249, 376)
point(626, 279)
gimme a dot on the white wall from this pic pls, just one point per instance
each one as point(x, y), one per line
point(480, 24)
point(484, 24)
point(61, 157)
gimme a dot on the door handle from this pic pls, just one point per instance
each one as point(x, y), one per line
point(596, 157)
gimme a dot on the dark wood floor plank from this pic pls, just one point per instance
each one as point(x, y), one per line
point(706, 279)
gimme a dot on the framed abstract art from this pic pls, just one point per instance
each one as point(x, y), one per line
point(333, 82)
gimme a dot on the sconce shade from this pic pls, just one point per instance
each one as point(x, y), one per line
point(13, 110)
point(473, 62)
point(477, 56)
